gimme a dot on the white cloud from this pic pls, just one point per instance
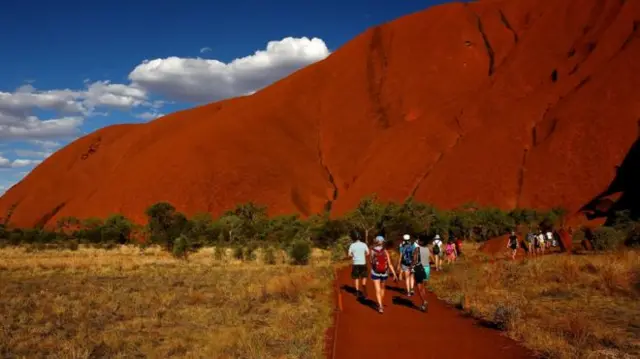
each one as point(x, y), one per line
point(149, 115)
point(24, 163)
point(32, 153)
point(205, 80)
point(205, 49)
point(17, 163)
point(46, 144)
point(16, 108)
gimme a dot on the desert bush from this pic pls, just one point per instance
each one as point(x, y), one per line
point(269, 255)
point(238, 253)
point(300, 252)
point(249, 253)
point(219, 253)
point(607, 238)
point(180, 247)
point(506, 316)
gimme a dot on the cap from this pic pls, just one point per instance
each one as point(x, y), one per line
point(406, 237)
point(379, 239)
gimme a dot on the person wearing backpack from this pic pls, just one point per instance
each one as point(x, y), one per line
point(405, 262)
point(359, 251)
point(512, 244)
point(380, 266)
point(437, 252)
point(530, 239)
point(422, 270)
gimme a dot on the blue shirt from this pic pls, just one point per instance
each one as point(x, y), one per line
point(359, 251)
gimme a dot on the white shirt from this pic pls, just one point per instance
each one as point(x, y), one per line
point(438, 243)
point(359, 251)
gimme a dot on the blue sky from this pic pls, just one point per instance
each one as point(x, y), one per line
point(69, 67)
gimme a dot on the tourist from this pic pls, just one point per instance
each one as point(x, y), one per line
point(359, 251)
point(540, 242)
point(450, 252)
point(380, 267)
point(530, 239)
point(512, 244)
point(422, 270)
point(550, 240)
point(437, 252)
point(404, 262)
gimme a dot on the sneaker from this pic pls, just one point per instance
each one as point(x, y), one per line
point(423, 308)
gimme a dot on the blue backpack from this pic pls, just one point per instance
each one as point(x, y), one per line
point(407, 254)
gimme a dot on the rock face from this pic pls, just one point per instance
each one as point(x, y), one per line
point(529, 103)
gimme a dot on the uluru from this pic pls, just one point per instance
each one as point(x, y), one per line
point(508, 103)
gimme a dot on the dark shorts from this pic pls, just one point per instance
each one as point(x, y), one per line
point(422, 274)
point(358, 271)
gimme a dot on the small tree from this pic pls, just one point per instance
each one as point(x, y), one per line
point(117, 228)
point(368, 216)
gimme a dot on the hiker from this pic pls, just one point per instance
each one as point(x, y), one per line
point(404, 262)
point(512, 244)
point(437, 252)
point(422, 269)
point(450, 252)
point(540, 242)
point(550, 240)
point(530, 239)
point(359, 251)
point(380, 267)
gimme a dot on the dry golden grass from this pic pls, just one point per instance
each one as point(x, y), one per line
point(94, 303)
point(561, 306)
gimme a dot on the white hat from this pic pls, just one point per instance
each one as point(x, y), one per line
point(406, 237)
point(437, 236)
point(379, 239)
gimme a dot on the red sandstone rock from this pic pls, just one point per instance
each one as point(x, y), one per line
point(526, 103)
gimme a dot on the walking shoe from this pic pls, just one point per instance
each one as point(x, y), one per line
point(380, 310)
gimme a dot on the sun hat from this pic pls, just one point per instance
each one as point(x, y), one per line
point(379, 239)
point(437, 236)
point(406, 237)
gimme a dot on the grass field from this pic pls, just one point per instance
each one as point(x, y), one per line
point(122, 303)
point(561, 306)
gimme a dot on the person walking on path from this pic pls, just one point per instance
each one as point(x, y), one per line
point(540, 242)
point(405, 262)
point(530, 239)
point(450, 251)
point(512, 244)
point(422, 270)
point(437, 252)
point(359, 251)
point(380, 266)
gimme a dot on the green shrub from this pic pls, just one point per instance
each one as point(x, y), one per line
point(72, 245)
point(180, 247)
point(269, 255)
point(607, 238)
point(340, 248)
point(249, 253)
point(300, 252)
point(238, 253)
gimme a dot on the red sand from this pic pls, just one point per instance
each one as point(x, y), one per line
point(403, 332)
point(526, 103)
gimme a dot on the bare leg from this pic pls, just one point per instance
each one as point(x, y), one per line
point(376, 284)
point(407, 281)
point(412, 281)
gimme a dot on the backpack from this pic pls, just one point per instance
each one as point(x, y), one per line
point(436, 249)
point(449, 248)
point(380, 264)
point(407, 254)
point(530, 237)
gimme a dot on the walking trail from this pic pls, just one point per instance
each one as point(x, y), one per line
point(404, 331)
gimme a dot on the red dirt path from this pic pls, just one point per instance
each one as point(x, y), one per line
point(403, 332)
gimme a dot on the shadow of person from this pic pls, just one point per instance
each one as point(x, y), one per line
point(398, 300)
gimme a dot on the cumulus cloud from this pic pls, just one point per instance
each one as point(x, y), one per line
point(204, 80)
point(16, 108)
point(147, 116)
point(32, 153)
point(17, 163)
